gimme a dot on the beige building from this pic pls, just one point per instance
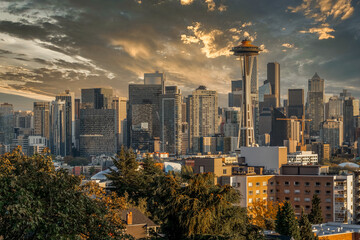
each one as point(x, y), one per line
point(332, 133)
point(120, 106)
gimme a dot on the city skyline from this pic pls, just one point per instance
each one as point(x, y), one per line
point(48, 47)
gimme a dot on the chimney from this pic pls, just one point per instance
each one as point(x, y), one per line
point(129, 218)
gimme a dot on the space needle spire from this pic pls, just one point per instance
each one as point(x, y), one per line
point(247, 54)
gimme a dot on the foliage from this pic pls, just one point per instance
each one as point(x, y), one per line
point(286, 223)
point(264, 213)
point(37, 202)
point(306, 228)
point(315, 215)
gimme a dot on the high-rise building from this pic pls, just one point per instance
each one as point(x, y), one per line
point(57, 119)
point(41, 119)
point(143, 120)
point(6, 123)
point(69, 98)
point(280, 129)
point(97, 98)
point(351, 109)
point(273, 76)
point(155, 78)
point(203, 111)
point(120, 105)
point(23, 119)
point(171, 121)
point(232, 122)
point(332, 133)
point(97, 132)
point(315, 103)
point(334, 108)
point(296, 103)
point(235, 96)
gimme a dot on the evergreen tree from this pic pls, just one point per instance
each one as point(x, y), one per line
point(306, 228)
point(315, 215)
point(286, 223)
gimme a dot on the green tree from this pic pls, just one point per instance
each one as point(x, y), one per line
point(286, 223)
point(315, 216)
point(306, 228)
point(37, 202)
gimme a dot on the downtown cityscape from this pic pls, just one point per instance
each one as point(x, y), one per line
point(251, 142)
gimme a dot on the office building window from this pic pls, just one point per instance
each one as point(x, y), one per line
point(250, 192)
point(250, 200)
point(202, 169)
point(286, 191)
point(264, 183)
point(317, 184)
point(297, 191)
point(257, 192)
point(287, 183)
point(307, 184)
point(296, 183)
point(257, 184)
point(224, 171)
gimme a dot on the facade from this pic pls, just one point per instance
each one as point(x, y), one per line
point(97, 98)
point(296, 103)
point(332, 133)
point(41, 119)
point(273, 76)
point(280, 129)
point(36, 144)
point(120, 105)
point(231, 122)
point(69, 98)
point(203, 117)
point(351, 109)
point(97, 132)
point(334, 108)
point(212, 165)
point(315, 103)
point(171, 121)
point(235, 96)
point(303, 158)
point(58, 141)
point(23, 119)
point(6, 123)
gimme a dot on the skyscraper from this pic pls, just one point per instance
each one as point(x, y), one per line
point(315, 103)
point(69, 99)
point(334, 108)
point(171, 121)
point(235, 96)
point(6, 123)
point(273, 76)
point(351, 109)
point(57, 119)
point(203, 117)
point(97, 98)
point(120, 106)
point(41, 119)
point(332, 133)
point(296, 103)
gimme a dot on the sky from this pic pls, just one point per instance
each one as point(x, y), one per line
point(47, 46)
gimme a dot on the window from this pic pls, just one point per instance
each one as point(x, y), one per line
point(307, 199)
point(317, 184)
point(250, 184)
point(287, 183)
point(296, 183)
point(307, 206)
point(271, 183)
point(297, 191)
point(328, 208)
point(286, 191)
point(257, 192)
point(271, 190)
point(287, 198)
point(307, 192)
point(264, 191)
point(317, 191)
point(202, 169)
point(307, 184)
point(328, 184)
point(264, 198)
point(297, 206)
point(224, 171)
point(328, 215)
point(250, 192)
point(264, 183)
point(328, 200)
point(257, 184)
point(238, 184)
point(257, 199)
point(297, 199)
point(250, 200)
point(271, 198)
point(278, 183)
point(328, 192)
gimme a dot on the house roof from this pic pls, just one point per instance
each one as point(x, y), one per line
point(138, 217)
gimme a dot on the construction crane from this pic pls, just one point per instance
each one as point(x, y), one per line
point(302, 120)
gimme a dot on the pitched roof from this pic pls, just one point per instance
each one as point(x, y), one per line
point(138, 217)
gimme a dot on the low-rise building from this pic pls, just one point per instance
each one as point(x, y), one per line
point(303, 158)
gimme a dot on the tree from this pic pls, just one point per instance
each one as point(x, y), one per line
point(37, 202)
point(264, 214)
point(315, 215)
point(286, 223)
point(306, 228)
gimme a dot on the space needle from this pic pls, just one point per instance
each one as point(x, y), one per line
point(247, 54)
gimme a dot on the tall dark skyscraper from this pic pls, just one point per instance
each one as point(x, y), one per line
point(351, 109)
point(97, 98)
point(296, 103)
point(235, 96)
point(273, 76)
point(315, 103)
point(6, 123)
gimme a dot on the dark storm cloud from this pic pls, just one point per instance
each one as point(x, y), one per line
point(112, 43)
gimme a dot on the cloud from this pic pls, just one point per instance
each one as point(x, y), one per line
point(288, 45)
point(324, 12)
point(186, 2)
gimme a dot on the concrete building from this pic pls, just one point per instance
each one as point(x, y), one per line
point(58, 140)
point(271, 158)
point(212, 165)
point(235, 96)
point(36, 144)
point(97, 132)
point(41, 119)
point(231, 122)
point(6, 123)
point(23, 119)
point(315, 103)
point(280, 129)
point(97, 98)
point(351, 109)
point(303, 158)
point(331, 132)
point(203, 117)
point(296, 103)
point(171, 121)
point(334, 108)
point(323, 150)
point(273, 76)
point(120, 105)
point(69, 99)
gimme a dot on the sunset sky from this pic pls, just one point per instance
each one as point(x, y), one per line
point(49, 46)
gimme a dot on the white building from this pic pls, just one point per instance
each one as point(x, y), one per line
point(303, 158)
